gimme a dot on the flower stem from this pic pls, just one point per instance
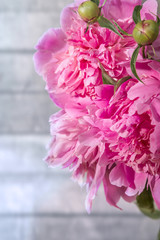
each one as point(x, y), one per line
point(104, 3)
point(154, 52)
point(120, 82)
point(106, 78)
point(143, 52)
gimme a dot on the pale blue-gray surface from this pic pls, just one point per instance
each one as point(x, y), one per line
point(36, 202)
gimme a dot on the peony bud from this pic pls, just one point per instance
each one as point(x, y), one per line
point(89, 11)
point(146, 32)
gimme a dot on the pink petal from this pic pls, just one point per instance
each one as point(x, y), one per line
point(140, 182)
point(99, 174)
point(51, 42)
point(112, 193)
point(155, 188)
point(120, 9)
point(155, 140)
point(121, 176)
point(149, 7)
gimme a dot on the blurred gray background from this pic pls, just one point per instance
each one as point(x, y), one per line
point(38, 203)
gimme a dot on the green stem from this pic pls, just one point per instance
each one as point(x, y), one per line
point(87, 28)
point(143, 52)
point(154, 52)
point(133, 62)
point(146, 204)
point(120, 82)
point(121, 30)
point(106, 78)
point(104, 3)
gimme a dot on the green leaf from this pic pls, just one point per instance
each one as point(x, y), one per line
point(96, 2)
point(86, 29)
point(103, 3)
point(145, 200)
point(136, 14)
point(144, 52)
point(151, 214)
point(158, 237)
point(133, 62)
point(105, 77)
point(120, 82)
point(104, 22)
point(153, 49)
point(121, 30)
point(146, 204)
point(105, 80)
point(158, 20)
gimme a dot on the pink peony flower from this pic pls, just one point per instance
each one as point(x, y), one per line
point(108, 145)
point(100, 136)
point(138, 133)
point(147, 95)
point(147, 99)
point(80, 145)
point(68, 58)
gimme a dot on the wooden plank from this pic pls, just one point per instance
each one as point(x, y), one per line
point(17, 74)
point(25, 113)
point(75, 227)
point(109, 228)
point(22, 30)
point(53, 192)
point(23, 154)
point(37, 5)
point(22, 171)
point(11, 229)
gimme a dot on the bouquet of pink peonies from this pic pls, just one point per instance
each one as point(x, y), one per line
point(102, 68)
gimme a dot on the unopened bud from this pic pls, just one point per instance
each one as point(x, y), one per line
point(89, 11)
point(146, 32)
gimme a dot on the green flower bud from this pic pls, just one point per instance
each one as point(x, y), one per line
point(146, 32)
point(89, 11)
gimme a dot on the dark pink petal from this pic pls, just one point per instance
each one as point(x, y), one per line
point(140, 182)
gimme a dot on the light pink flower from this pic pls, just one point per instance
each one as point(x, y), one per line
point(134, 111)
point(76, 71)
point(68, 58)
point(108, 145)
point(81, 145)
point(147, 96)
point(100, 136)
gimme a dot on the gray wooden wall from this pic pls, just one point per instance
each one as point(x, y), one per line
point(37, 203)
